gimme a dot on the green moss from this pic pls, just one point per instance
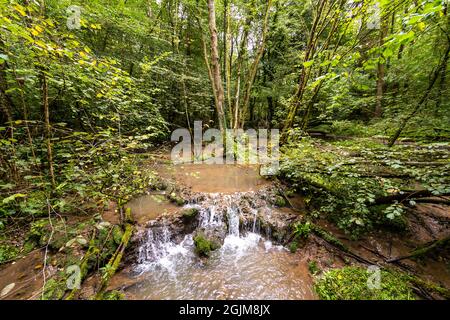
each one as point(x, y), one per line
point(293, 247)
point(280, 201)
point(290, 193)
point(189, 214)
point(352, 283)
point(113, 295)
point(329, 237)
point(203, 246)
point(117, 234)
point(54, 290)
point(176, 199)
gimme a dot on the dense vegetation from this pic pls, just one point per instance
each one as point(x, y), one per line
point(83, 102)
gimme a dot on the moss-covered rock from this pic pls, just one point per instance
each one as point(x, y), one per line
point(176, 199)
point(204, 246)
point(189, 215)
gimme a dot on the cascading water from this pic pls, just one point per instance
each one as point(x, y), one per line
point(247, 266)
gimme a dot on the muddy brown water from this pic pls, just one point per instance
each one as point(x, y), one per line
point(221, 178)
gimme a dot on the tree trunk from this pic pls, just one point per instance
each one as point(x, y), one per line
point(424, 98)
point(254, 67)
point(228, 57)
point(48, 132)
point(381, 74)
point(216, 66)
point(305, 70)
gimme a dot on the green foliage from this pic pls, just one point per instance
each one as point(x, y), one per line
point(113, 295)
point(280, 201)
point(344, 179)
point(302, 230)
point(7, 252)
point(293, 246)
point(54, 289)
point(313, 268)
point(351, 283)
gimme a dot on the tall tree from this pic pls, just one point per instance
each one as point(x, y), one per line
point(216, 72)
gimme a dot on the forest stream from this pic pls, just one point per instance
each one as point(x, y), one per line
point(238, 209)
point(248, 265)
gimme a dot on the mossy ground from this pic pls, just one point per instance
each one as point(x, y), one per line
point(352, 283)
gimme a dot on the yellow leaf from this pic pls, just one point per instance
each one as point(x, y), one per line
point(421, 26)
point(6, 19)
point(38, 28)
point(20, 9)
point(41, 44)
point(34, 32)
point(82, 54)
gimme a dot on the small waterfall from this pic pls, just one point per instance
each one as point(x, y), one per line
point(233, 221)
point(159, 251)
point(218, 214)
point(246, 266)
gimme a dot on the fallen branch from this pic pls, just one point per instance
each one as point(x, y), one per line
point(406, 195)
point(424, 250)
point(115, 260)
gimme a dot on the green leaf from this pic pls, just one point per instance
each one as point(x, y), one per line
point(308, 64)
point(387, 53)
point(13, 197)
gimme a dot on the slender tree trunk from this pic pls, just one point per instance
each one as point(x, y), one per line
point(255, 64)
point(297, 100)
point(424, 98)
point(381, 73)
point(240, 61)
point(48, 132)
point(228, 57)
point(216, 66)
